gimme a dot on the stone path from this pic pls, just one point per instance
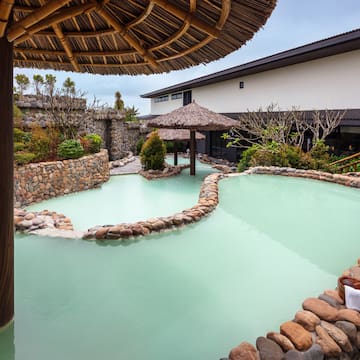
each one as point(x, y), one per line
point(132, 167)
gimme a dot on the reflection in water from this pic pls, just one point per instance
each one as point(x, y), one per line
point(7, 345)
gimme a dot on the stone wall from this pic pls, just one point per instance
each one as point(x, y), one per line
point(40, 181)
point(118, 137)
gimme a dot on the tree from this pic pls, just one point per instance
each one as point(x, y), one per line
point(23, 83)
point(153, 153)
point(50, 81)
point(68, 87)
point(119, 103)
point(131, 113)
point(38, 82)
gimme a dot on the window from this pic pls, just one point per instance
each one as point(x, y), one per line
point(241, 85)
point(176, 96)
point(162, 98)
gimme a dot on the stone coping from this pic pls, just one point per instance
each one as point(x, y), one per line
point(169, 170)
point(323, 329)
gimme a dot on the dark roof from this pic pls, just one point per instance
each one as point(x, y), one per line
point(327, 47)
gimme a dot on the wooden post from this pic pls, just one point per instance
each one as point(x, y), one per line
point(6, 184)
point(192, 152)
point(175, 154)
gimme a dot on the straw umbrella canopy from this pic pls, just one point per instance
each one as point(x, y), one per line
point(106, 37)
point(177, 135)
point(193, 117)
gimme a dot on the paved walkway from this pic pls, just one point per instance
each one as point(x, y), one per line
point(132, 167)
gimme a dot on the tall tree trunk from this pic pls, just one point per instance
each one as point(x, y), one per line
point(6, 184)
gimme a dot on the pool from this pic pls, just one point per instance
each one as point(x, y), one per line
point(189, 294)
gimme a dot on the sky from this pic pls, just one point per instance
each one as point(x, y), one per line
point(293, 23)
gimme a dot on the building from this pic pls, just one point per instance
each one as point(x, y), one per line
point(317, 76)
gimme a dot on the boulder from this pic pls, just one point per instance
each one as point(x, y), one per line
point(321, 308)
point(300, 337)
point(244, 351)
point(328, 345)
point(268, 349)
point(281, 340)
point(307, 319)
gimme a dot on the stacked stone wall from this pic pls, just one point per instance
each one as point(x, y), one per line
point(40, 181)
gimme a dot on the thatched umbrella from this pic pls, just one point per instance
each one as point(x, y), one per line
point(193, 117)
point(106, 37)
point(177, 135)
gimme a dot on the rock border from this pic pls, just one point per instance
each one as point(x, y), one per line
point(169, 170)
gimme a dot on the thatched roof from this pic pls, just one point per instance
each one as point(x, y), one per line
point(128, 37)
point(193, 117)
point(177, 135)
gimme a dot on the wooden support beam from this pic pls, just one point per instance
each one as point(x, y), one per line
point(67, 47)
point(121, 29)
point(62, 15)
point(19, 28)
point(192, 152)
point(184, 15)
point(6, 184)
point(142, 16)
point(5, 11)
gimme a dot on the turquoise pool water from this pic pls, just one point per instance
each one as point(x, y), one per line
point(189, 294)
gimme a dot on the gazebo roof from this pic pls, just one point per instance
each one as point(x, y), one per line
point(128, 37)
point(193, 117)
point(177, 135)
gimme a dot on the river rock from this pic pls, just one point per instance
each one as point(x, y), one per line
point(294, 355)
point(321, 308)
point(334, 294)
point(101, 233)
point(281, 340)
point(244, 351)
point(349, 315)
point(268, 349)
point(348, 328)
point(307, 319)
point(328, 345)
point(314, 353)
point(331, 301)
point(338, 335)
point(300, 337)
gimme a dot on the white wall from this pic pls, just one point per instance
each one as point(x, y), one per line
point(328, 83)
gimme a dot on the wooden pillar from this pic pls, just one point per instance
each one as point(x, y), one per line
point(6, 184)
point(175, 154)
point(192, 152)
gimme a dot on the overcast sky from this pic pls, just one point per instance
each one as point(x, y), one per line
point(293, 23)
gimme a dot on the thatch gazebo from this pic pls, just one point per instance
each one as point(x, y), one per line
point(177, 135)
point(106, 37)
point(193, 117)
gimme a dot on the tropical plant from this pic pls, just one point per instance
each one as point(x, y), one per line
point(38, 82)
point(119, 102)
point(153, 153)
point(68, 87)
point(131, 113)
point(22, 82)
point(94, 143)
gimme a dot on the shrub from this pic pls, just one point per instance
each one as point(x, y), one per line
point(139, 144)
point(94, 142)
point(23, 157)
point(246, 156)
point(320, 151)
point(153, 153)
point(21, 136)
point(40, 143)
point(54, 136)
point(19, 146)
point(70, 149)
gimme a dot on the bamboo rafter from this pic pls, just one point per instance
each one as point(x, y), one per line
point(122, 31)
point(183, 15)
point(5, 11)
point(35, 17)
point(52, 20)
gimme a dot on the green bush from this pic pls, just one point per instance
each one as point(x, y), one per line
point(153, 153)
point(320, 151)
point(19, 146)
point(94, 142)
point(39, 144)
point(23, 157)
point(70, 149)
point(139, 144)
point(21, 136)
point(246, 156)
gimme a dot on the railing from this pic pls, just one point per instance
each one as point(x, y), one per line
point(350, 163)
